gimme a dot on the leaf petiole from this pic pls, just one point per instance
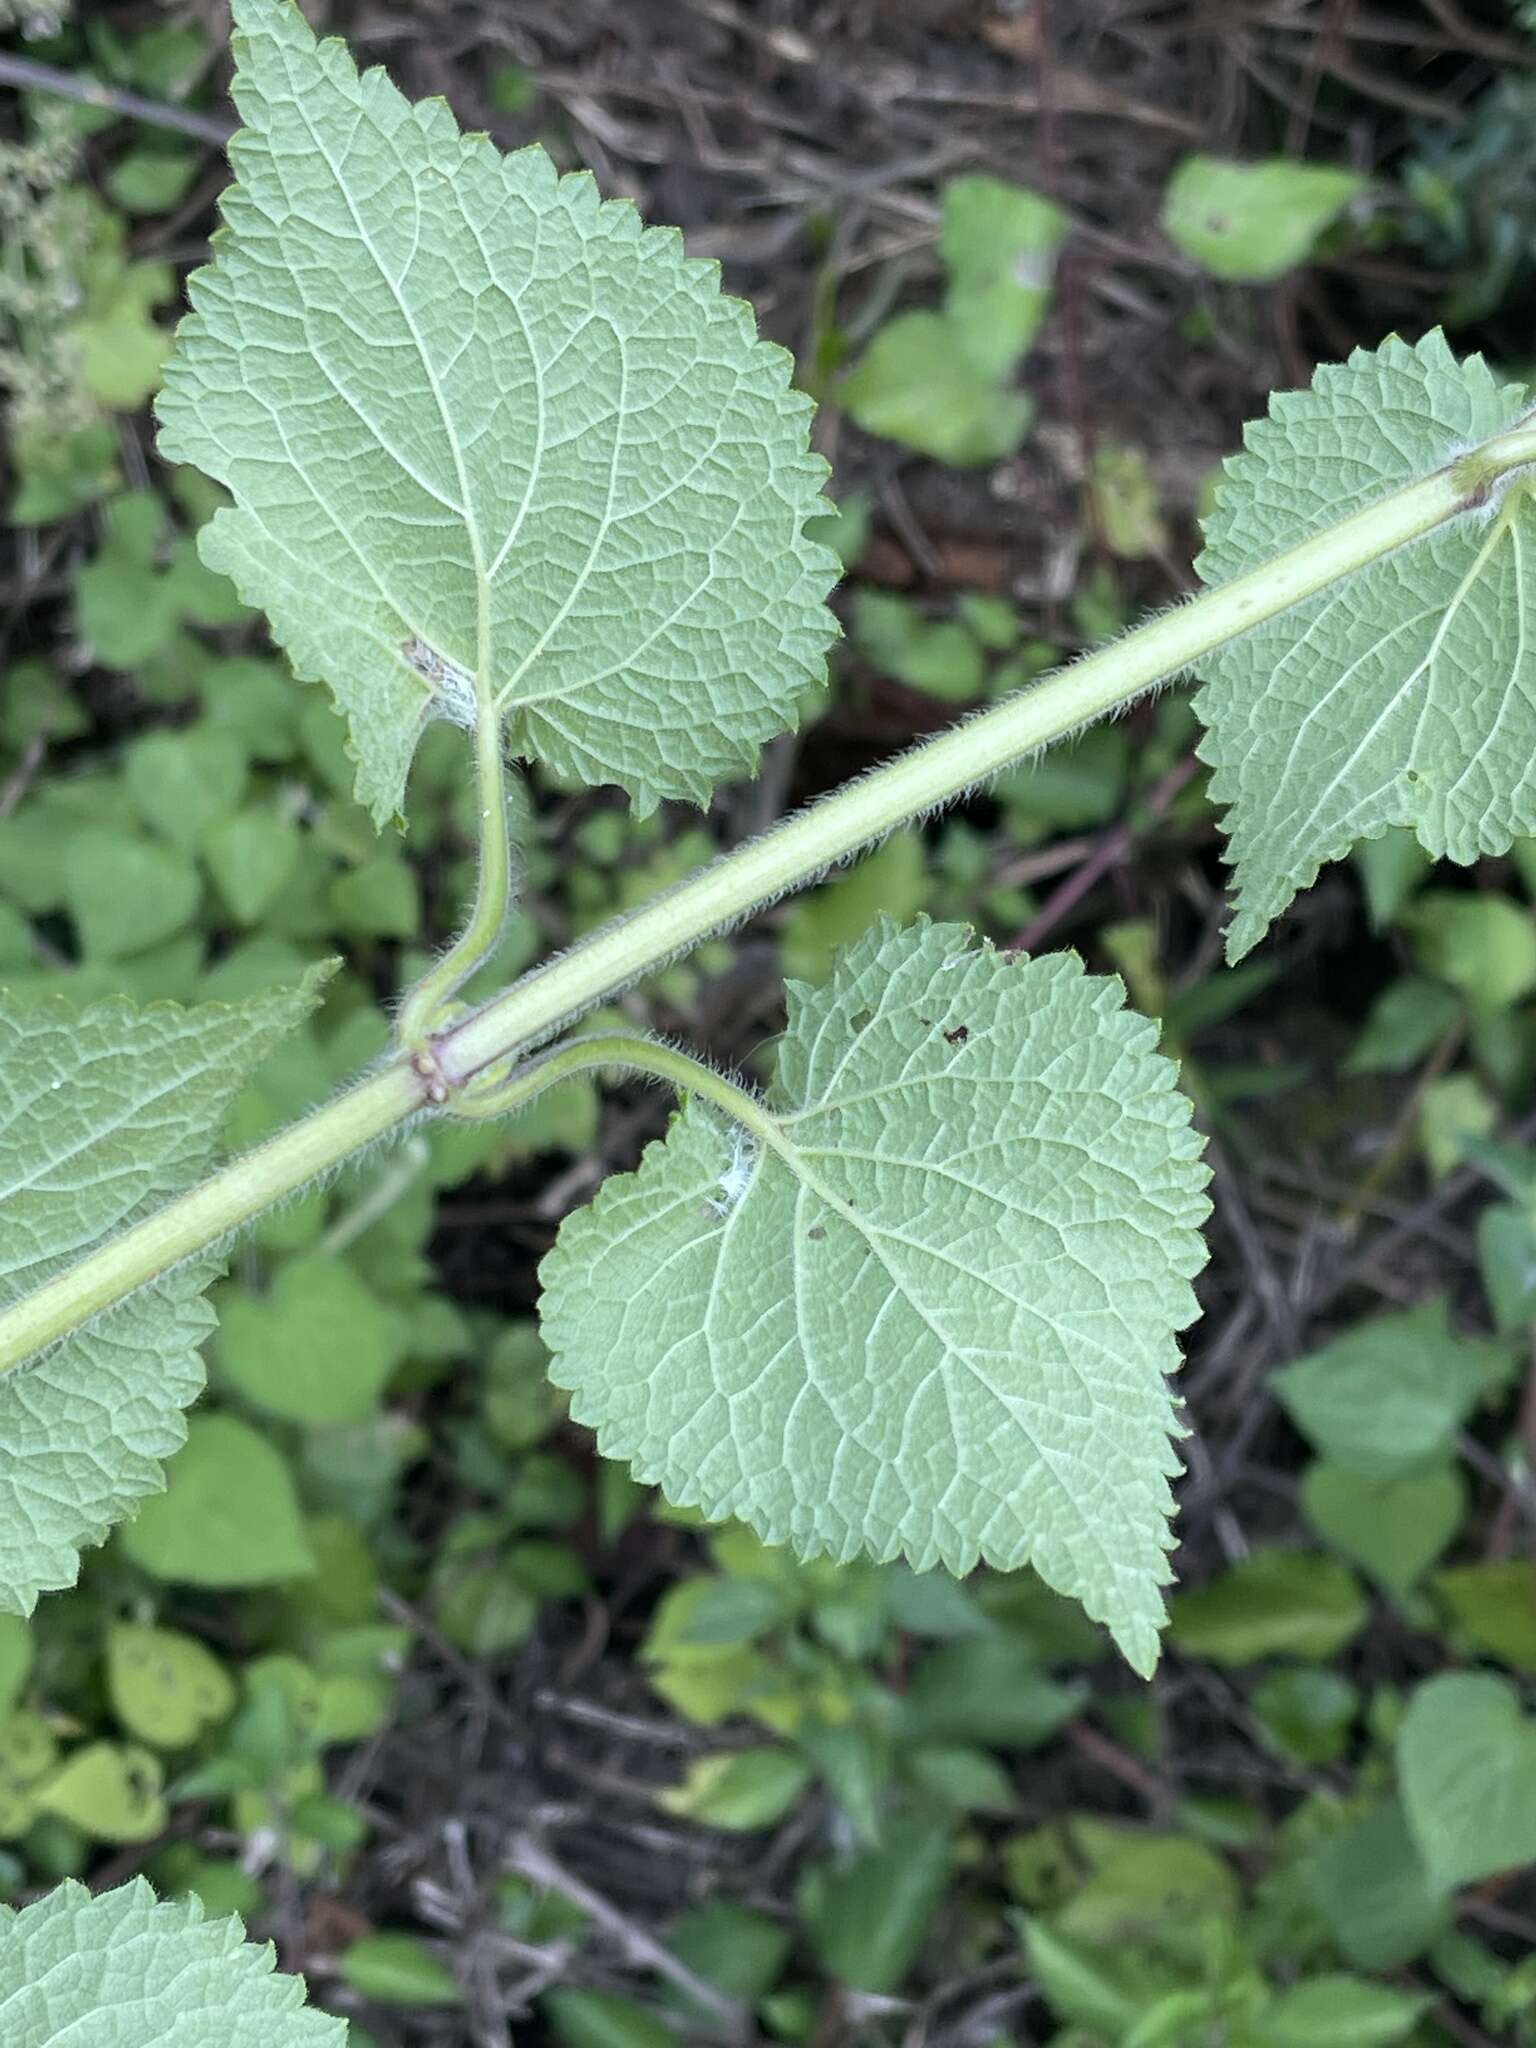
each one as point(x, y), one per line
point(620, 1049)
point(425, 1006)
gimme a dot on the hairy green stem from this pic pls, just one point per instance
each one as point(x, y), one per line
point(422, 1011)
point(635, 1055)
point(942, 768)
point(803, 846)
point(195, 1221)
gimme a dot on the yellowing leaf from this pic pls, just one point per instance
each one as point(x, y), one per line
point(111, 1791)
point(166, 1687)
point(1253, 221)
point(749, 1788)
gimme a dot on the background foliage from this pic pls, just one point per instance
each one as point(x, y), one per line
point(396, 1667)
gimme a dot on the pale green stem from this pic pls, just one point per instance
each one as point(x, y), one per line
point(939, 770)
point(423, 1008)
point(635, 1055)
point(198, 1219)
point(815, 839)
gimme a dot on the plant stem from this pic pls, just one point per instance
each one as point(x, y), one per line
point(940, 769)
point(423, 1008)
point(197, 1220)
point(814, 839)
point(636, 1055)
point(27, 75)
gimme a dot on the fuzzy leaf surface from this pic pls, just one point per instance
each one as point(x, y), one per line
point(1405, 695)
point(123, 1970)
point(929, 1309)
point(488, 436)
point(105, 1114)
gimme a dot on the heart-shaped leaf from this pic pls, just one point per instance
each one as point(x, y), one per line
point(1466, 1755)
point(491, 443)
point(927, 1308)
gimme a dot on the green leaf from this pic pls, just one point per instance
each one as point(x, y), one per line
point(989, 1688)
point(486, 433)
point(1406, 1020)
point(932, 1314)
point(1454, 1115)
point(1393, 1528)
point(317, 1348)
point(868, 1919)
point(228, 1515)
point(121, 1970)
point(1374, 1891)
point(915, 384)
point(28, 1753)
point(1485, 946)
point(183, 781)
point(1466, 1756)
point(1306, 1714)
point(1506, 1254)
point(166, 1687)
point(1390, 1395)
point(740, 1952)
point(378, 899)
point(1127, 1884)
point(125, 608)
point(251, 854)
point(1105, 1990)
point(601, 2019)
point(942, 657)
point(104, 1115)
point(397, 1969)
point(126, 893)
point(121, 347)
point(1391, 869)
point(1403, 695)
point(15, 1660)
point(1343, 2012)
point(1127, 506)
point(1492, 1607)
point(820, 922)
point(967, 1779)
point(1290, 1603)
point(1252, 222)
point(152, 180)
point(111, 1791)
point(746, 1789)
point(999, 244)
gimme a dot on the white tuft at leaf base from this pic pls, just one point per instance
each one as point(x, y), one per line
point(491, 443)
point(930, 1309)
point(1404, 695)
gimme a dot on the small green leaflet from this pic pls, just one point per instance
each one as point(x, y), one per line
point(104, 1114)
point(1466, 1758)
point(1253, 221)
point(929, 1309)
point(124, 1971)
point(1405, 695)
point(490, 439)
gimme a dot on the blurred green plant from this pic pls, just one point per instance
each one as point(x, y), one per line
point(942, 382)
